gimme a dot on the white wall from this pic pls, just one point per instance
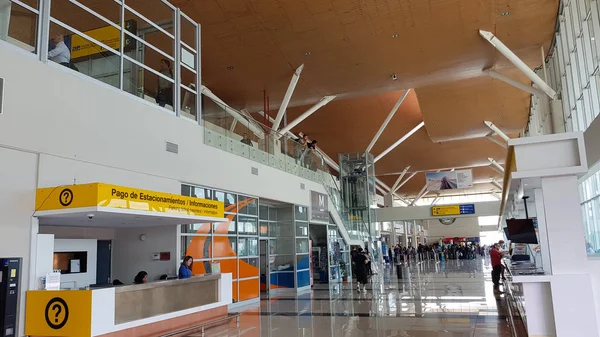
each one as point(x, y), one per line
point(79, 280)
point(131, 255)
point(44, 262)
point(86, 121)
point(70, 232)
point(18, 176)
point(462, 227)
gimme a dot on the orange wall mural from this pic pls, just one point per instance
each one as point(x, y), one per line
point(202, 247)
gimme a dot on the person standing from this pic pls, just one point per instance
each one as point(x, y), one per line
point(60, 53)
point(246, 140)
point(496, 257)
point(360, 265)
point(164, 92)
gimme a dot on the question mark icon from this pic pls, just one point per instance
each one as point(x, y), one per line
point(58, 310)
point(57, 313)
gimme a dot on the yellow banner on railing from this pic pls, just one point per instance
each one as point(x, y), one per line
point(113, 196)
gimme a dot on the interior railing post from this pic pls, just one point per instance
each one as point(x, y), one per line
point(199, 74)
point(44, 29)
point(121, 62)
point(177, 73)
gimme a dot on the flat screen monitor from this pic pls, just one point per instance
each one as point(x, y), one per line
point(521, 231)
point(506, 233)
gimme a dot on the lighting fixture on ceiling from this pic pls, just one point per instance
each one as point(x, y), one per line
point(307, 53)
point(507, 13)
point(229, 67)
point(395, 36)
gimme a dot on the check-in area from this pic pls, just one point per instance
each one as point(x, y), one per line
point(77, 297)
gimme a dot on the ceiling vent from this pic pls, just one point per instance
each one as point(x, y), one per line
point(255, 171)
point(172, 147)
point(302, 186)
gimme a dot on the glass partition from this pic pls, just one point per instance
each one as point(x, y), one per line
point(148, 48)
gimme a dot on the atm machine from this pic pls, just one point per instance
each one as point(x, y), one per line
point(10, 273)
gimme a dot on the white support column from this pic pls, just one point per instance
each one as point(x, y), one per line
point(405, 225)
point(287, 97)
point(414, 235)
point(496, 130)
point(496, 166)
point(496, 141)
point(514, 83)
point(399, 141)
point(395, 186)
point(305, 115)
point(387, 120)
point(514, 59)
point(388, 200)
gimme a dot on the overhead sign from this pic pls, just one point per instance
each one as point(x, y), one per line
point(65, 313)
point(319, 208)
point(113, 196)
point(453, 210)
point(109, 35)
point(449, 180)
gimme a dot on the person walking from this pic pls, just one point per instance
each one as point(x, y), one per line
point(496, 257)
point(360, 268)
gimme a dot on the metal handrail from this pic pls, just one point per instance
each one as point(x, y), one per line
point(203, 325)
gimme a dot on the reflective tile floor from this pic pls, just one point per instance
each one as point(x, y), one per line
point(446, 299)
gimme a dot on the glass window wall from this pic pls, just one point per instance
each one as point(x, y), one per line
point(233, 245)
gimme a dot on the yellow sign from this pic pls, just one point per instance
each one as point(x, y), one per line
point(58, 313)
point(108, 35)
point(113, 196)
point(445, 210)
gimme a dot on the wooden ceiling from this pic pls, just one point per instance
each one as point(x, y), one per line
point(351, 48)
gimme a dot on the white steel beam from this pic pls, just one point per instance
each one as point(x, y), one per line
point(496, 141)
point(435, 200)
point(516, 84)
point(496, 130)
point(287, 97)
point(394, 187)
point(495, 165)
point(387, 120)
point(233, 125)
point(251, 126)
point(405, 181)
point(497, 184)
point(514, 59)
point(305, 115)
point(399, 141)
point(385, 186)
point(422, 193)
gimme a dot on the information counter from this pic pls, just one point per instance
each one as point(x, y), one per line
point(135, 310)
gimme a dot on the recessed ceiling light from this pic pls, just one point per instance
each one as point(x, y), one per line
point(307, 53)
point(395, 36)
point(507, 13)
point(593, 38)
point(229, 67)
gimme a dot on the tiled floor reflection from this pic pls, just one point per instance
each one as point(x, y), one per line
point(451, 299)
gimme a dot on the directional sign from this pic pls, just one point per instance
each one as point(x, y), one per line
point(453, 210)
